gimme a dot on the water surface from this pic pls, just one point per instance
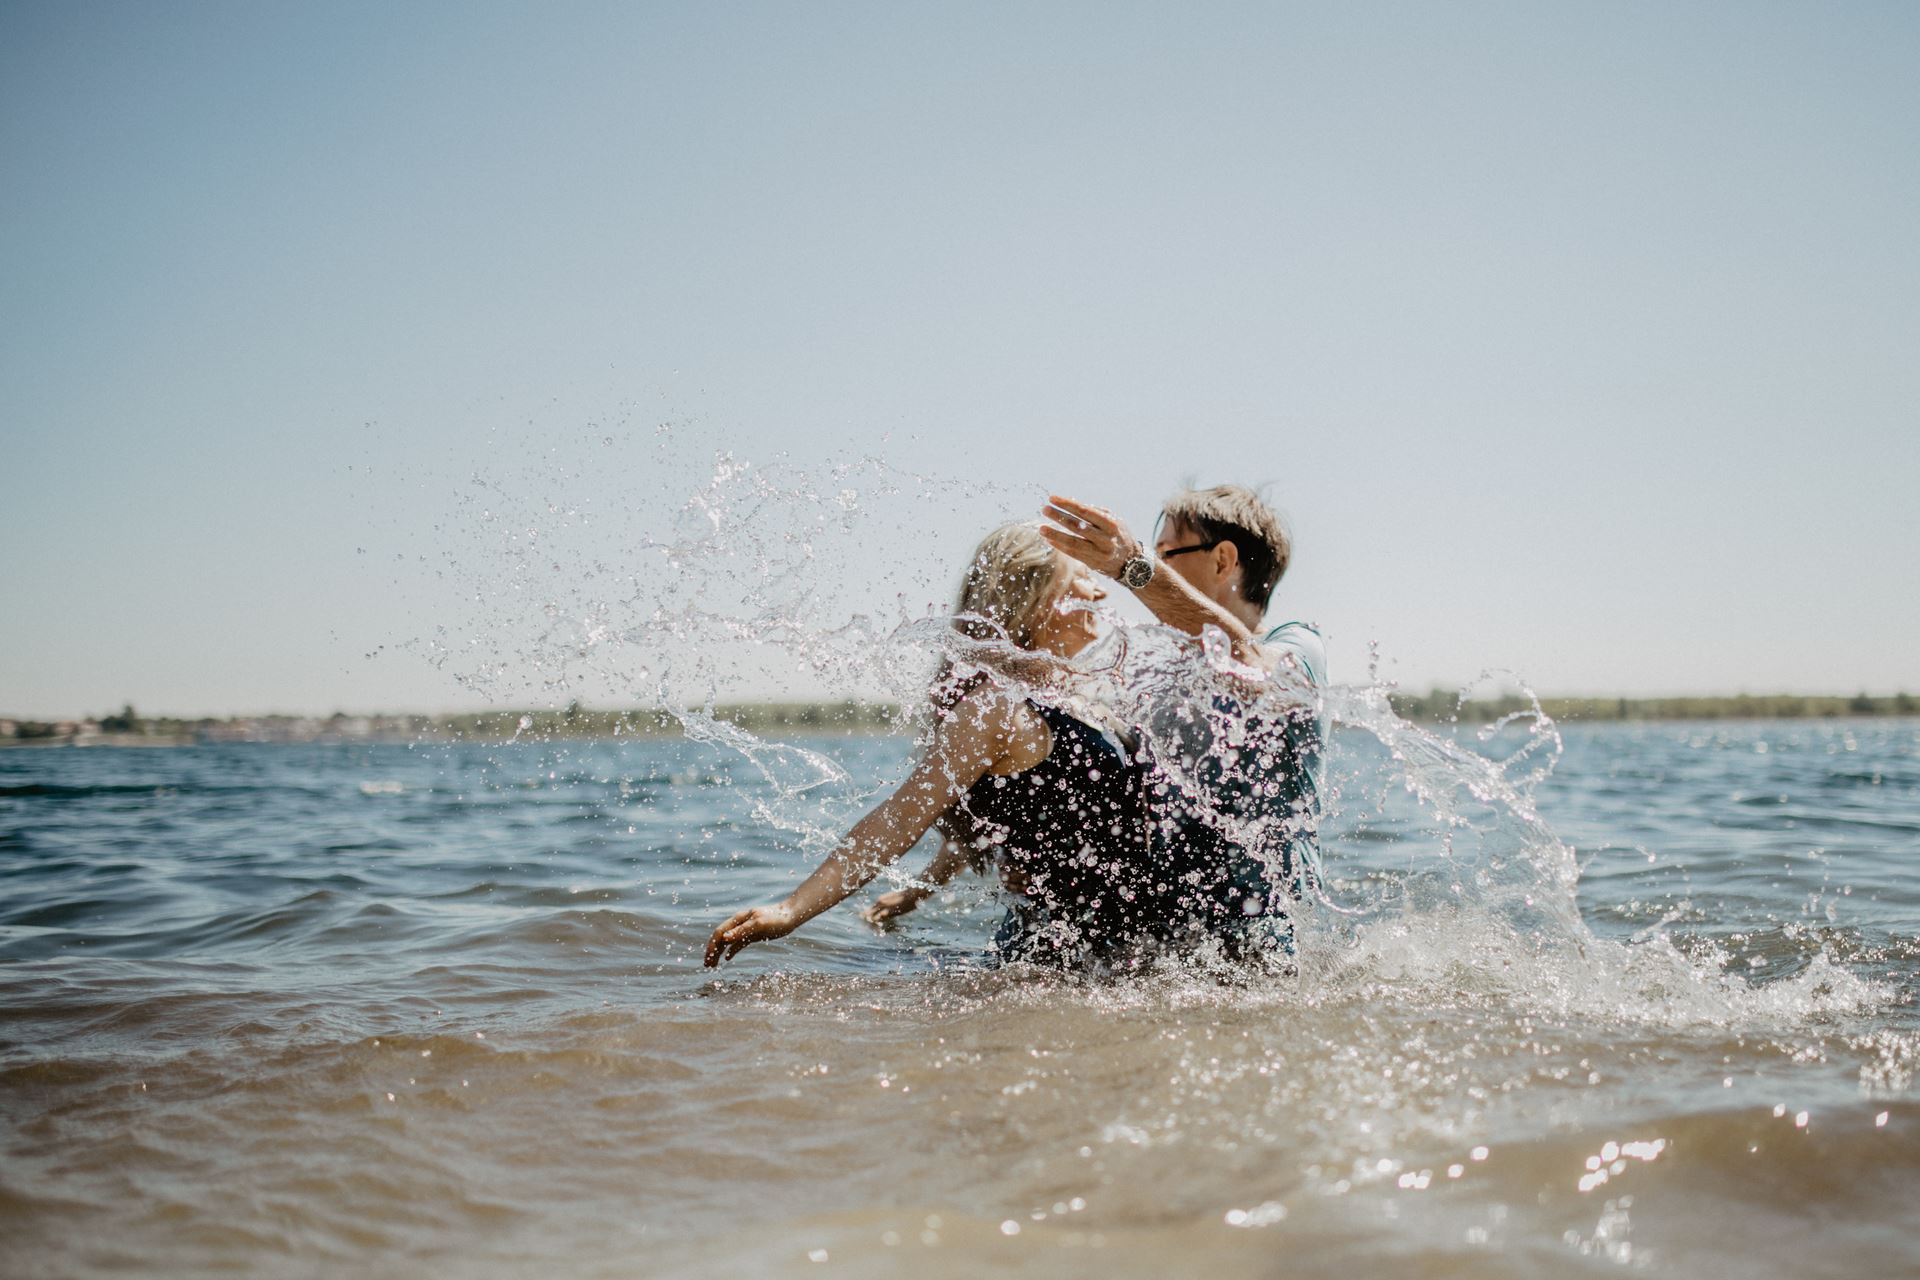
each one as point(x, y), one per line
point(389, 1009)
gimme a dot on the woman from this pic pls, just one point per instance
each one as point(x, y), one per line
point(1056, 799)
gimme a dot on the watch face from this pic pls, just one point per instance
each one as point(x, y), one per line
point(1137, 572)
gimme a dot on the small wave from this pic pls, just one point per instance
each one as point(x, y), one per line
point(63, 791)
point(1858, 1158)
point(507, 894)
point(639, 933)
point(67, 911)
point(1646, 984)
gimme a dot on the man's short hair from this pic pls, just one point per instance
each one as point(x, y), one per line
point(1236, 514)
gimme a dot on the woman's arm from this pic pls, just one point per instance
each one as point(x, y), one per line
point(948, 862)
point(984, 732)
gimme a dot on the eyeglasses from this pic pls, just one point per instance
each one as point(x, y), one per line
point(1198, 546)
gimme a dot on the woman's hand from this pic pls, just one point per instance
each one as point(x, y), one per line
point(883, 910)
point(744, 928)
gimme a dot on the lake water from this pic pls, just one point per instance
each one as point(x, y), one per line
point(393, 1011)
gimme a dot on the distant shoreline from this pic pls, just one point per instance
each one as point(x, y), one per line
point(128, 729)
point(1445, 705)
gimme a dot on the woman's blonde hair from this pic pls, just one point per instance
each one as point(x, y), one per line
point(1004, 594)
point(1005, 590)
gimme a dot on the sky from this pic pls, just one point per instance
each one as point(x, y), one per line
point(1575, 341)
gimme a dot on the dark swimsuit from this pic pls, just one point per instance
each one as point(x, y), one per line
point(1110, 856)
point(1074, 830)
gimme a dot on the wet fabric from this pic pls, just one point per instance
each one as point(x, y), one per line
point(1072, 831)
point(1236, 794)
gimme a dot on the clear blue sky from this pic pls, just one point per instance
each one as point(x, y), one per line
point(1581, 340)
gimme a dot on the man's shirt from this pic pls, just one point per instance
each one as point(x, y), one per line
point(1304, 643)
point(1246, 771)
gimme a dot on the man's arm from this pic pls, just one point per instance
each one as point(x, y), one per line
point(1101, 540)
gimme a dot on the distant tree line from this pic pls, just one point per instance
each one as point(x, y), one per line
point(850, 716)
point(578, 721)
point(573, 721)
point(1445, 705)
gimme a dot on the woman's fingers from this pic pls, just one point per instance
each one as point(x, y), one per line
point(744, 928)
point(729, 938)
point(888, 907)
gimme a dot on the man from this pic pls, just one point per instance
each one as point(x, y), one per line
point(1239, 751)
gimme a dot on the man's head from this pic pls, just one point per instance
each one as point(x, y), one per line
point(1225, 541)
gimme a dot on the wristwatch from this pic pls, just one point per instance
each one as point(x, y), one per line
point(1137, 572)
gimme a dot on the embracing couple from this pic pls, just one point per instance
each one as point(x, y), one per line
point(1192, 827)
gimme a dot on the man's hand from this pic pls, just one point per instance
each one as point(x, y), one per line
point(744, 928)
point(1101, 541)
point(1092, 535)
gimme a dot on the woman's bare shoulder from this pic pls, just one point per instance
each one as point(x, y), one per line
point(995, 725)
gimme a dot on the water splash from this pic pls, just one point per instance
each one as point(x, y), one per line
point(768, 575)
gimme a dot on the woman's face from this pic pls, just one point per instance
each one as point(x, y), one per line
point(1067, 621)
